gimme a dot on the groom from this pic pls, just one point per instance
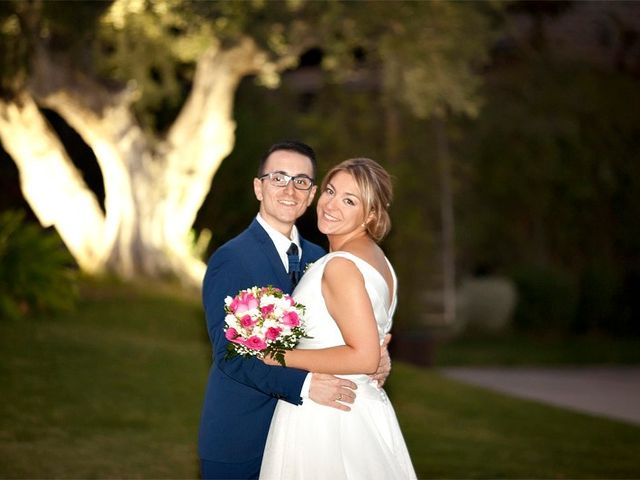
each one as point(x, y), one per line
point(242, 393)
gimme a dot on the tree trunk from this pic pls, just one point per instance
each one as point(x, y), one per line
point(50, 182)
point(153, 190)
point(448, 224)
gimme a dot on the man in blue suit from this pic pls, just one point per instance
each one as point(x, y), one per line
point(242, 392)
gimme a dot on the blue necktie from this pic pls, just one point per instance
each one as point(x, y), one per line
point(294, 264)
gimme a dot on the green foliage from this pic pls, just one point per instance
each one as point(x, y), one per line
point(153, 46)
point(547, 299)
point(554, 179)
point(35, 272)
point(426, 52)
point(13, 50)
point(553, 171)
point(64, 26)
point(431, 53)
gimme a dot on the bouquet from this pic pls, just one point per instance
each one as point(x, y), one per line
point(262, 321)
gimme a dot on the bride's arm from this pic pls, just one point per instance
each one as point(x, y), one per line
point(348, 303)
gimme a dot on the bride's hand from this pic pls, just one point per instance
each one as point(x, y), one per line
point(384, 367)
point(269, 360)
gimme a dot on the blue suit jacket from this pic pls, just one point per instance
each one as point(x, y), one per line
point(241, 393)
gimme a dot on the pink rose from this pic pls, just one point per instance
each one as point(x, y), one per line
point(272, 333)
point(267, 309)
point(255, 343)
point(291, 319)
point(232, 334)
point(233, 306)
point(243, 302)
point(247, 322)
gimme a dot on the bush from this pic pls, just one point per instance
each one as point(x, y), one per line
point(36, 273)
point(547, 300)
point(486, 304)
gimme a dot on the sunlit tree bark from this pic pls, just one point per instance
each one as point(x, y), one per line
point(152, 192)
point(447, 218)
point(50, 182)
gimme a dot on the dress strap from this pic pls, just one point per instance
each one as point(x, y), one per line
point(391, 297)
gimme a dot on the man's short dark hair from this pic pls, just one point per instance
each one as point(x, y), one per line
point(291, 146)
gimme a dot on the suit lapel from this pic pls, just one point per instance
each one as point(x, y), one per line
point(271, 254)
point(305, 255)
point(310, 254)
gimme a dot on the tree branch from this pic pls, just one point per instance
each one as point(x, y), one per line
point(45, 168)
point(204, 132)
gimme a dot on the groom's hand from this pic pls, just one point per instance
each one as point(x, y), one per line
point(384, 367)
point(332, 391)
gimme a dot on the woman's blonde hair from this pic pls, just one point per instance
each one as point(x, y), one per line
point(374, 184)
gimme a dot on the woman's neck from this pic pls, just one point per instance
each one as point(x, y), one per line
point(338, 242)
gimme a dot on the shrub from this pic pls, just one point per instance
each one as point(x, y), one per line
point(36, 271)
point(486, 304)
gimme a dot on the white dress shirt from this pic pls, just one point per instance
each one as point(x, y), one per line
point(280, 241)
point(282, 244)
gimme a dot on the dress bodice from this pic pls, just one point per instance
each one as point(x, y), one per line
point(320, 326)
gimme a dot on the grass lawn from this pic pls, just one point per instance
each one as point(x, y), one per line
point(113, 390)
point(517, 349)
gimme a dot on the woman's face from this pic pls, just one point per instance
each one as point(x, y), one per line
point(340, 206)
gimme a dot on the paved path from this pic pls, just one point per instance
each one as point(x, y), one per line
point(605, 391)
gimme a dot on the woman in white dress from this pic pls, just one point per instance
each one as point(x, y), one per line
point(350, 296)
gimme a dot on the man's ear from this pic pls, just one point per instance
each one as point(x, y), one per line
point(257, 188)
point(312, 194)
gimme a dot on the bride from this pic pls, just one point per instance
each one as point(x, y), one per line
point(350, 295)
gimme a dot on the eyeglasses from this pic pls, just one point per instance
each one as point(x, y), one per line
point(281, 179)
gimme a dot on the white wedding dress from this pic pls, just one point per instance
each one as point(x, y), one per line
point(311, 441)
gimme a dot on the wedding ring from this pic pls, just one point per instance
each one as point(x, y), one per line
point(339, 397)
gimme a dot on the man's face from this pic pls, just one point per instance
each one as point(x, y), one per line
point(282, 206)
